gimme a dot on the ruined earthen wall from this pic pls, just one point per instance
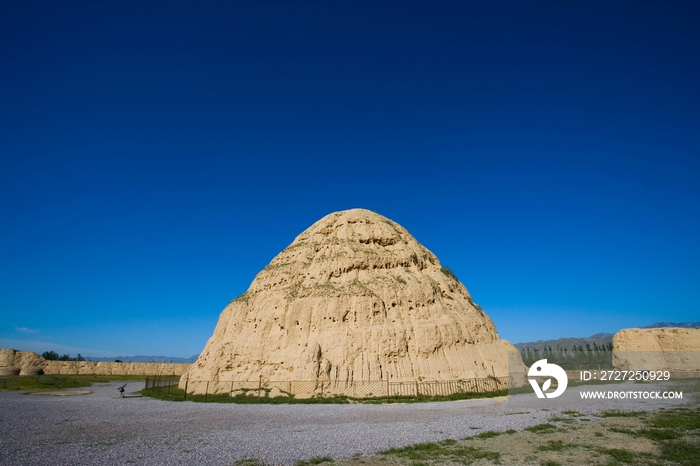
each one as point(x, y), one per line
point(13, 362)
point(114, 368)
point(657, 349)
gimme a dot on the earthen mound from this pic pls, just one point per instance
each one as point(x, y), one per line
point(354, 297)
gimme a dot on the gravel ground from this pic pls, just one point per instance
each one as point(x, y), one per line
point(100, 428)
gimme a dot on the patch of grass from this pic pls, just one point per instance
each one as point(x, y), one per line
point(552, 445)
point(473, 454)
point(550, 463)
point(59, 382)
point(678, 418)
point(315, 460)
point(273, 267)
point(241, 298)
point(616, 413)
point(488, 434)
point(682, 452)
point(418, 451)
point(658, 435)
point(511, 431)
point(622, 430)
point(676, 432)
point(440, 451)
point(542, 428)
point(599, 434)
point(618, 454)
point(249, 462)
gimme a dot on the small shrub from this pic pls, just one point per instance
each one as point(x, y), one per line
point(448, 272)
point(244, 297)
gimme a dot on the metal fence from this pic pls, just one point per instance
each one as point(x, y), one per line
point(678, 374)
point(328, 389)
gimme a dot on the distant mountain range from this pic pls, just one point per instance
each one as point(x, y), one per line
point(673, 324)
point(600, 339)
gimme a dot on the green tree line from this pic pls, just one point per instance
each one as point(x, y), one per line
point(53, 356)
point(588, 356)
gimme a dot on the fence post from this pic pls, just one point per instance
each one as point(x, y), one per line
point(498, 385)
point(259, 387)
point(187, 381)
point(387, 385)
point(417, 392)
point(206, 391)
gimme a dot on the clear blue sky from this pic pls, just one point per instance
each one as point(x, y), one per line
point(154, 156)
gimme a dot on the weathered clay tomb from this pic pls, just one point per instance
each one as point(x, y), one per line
point(354, 298)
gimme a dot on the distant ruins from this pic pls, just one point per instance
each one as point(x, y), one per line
point(665, 348)
point(13, 362)
point(354, 298)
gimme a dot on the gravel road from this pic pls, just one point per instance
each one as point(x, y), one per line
point(99, 428)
